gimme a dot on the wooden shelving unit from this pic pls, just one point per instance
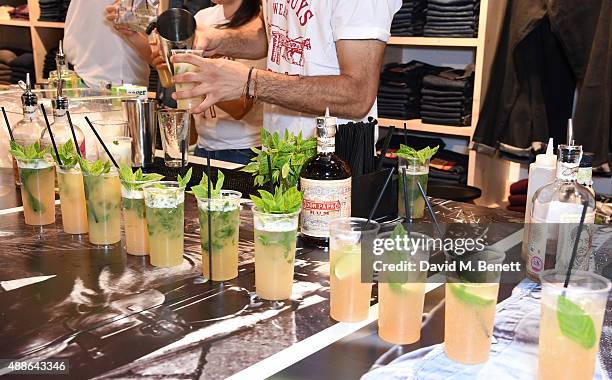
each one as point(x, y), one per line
point(486, 41)
point(41, 36)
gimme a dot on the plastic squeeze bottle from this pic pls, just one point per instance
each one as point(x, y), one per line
point(541, 172)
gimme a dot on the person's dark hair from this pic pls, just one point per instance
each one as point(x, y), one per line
point(248, 10)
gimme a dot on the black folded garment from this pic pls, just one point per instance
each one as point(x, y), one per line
point(446, 84)
point(464, 109)
point(394, 98)
point(451, 18)
point(453, 2)
point(456, 122)
point(392, 89)
point(438, 103)
point(442, 115)
point(450, 26)
point(451, 8)
point(398, 115)
point(457, 34)
point(451, 14)
point(444, 95)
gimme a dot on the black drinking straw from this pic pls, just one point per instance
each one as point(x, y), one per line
point(405, 134)
point(76, 142)
point(373, 210)
point(183, 148)
point(59, 160)
point(575, 249)
point(101, 142)
point(210, 271)
point(385, 147)
point(406, 208)
point(8, 126)
point(430, 209)
point(270, 173)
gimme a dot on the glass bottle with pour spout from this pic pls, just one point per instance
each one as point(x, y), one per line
point(27, 131)
point(60, 126)
point(70, 78)
point(556, 213)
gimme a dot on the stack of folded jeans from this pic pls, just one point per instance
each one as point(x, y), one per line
point(446, 98)
point(53, 10)
point(410, 19)
point(400, 89)
point(452, 18)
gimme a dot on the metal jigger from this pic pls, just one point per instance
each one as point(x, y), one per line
point(176, 28)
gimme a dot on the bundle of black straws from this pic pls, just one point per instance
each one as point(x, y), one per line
point(355, 143)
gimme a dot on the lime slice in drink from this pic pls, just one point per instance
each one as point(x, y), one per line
point(347, 265)
point(462, 294)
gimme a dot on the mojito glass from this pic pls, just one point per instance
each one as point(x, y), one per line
point(37, 177)
point(275, 239)
point(174, 127)
point(180, 68)
point(103, 198)
point(72, 198)
point(571, 323)
point(470, 303)
point(349, 296)
point(225, 223)
point(165, 210)
point(401, 296)
point(134, 218)
point(120, 148)
point(416, 172)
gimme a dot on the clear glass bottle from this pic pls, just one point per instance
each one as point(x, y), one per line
point(555, 216)
point(62, 73)
point(585, 172)
point(61, 127)
point(325, 181)
point(27, 131)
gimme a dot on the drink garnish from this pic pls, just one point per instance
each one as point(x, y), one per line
point(575, 324)
point(95, 168)
point(201, 190)
point(348, 264)
point(461, 293)
point(27, 152)
point(68, 155)
point(282, 202)
point(420, 155)
point(287, 155)
point(133, 181)
point(184, 181)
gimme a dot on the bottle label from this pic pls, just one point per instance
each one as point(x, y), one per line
point(567, 171)
point(323, 202)
point(326, 144)
point(584, 176)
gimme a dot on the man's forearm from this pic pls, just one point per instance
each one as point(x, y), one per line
point(341, 93)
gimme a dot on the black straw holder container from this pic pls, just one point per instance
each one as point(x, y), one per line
point(365, 190)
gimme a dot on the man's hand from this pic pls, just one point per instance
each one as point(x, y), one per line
point(111, 14)
point(217, 80)
point(208, 39)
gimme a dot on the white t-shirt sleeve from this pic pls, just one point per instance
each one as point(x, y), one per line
point(363, 19)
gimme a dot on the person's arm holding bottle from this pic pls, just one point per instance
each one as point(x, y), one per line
point(138, 41)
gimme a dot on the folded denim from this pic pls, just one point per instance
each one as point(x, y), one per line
point(396, 31)
point(463, 108)
point(402, 24)
point(453, 2)
point(451, 8)
point(442, 115)
point(438, 83)
point(409, 91)
point(457, 122)
point(443, 94)
point(401, 103)
point(438, 103)
point(437, 25)
point(449, 33)
point(396, 99)
point(450, 14)
point(398, 115)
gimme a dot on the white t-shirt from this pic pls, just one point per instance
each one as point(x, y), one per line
point(224, 132)
point(302, 37)
point(97, 51)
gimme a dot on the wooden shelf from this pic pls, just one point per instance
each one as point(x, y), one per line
point(48, 24)
point(24, 23)
point(417, 125)
point(433, 41)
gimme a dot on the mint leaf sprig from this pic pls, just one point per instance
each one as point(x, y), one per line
point(28, 152)
point(95, 168)
point(575, 323)
point(68, 155)
point(287, 154)
point(201, 190)
point(421, 156)
point(281, 202)
point(184, 181)
point(133, 181)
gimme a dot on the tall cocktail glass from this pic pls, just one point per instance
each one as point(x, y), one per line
point(165, 210)
point(416, 172)
point(225, 221)
point(349, 295)
point(103, 198)
point(275, 239)
point(37, 177)
point(72, 198)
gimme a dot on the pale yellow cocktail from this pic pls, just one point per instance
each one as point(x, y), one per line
point(72, 198)
point(103, 196)
point(37, 178)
